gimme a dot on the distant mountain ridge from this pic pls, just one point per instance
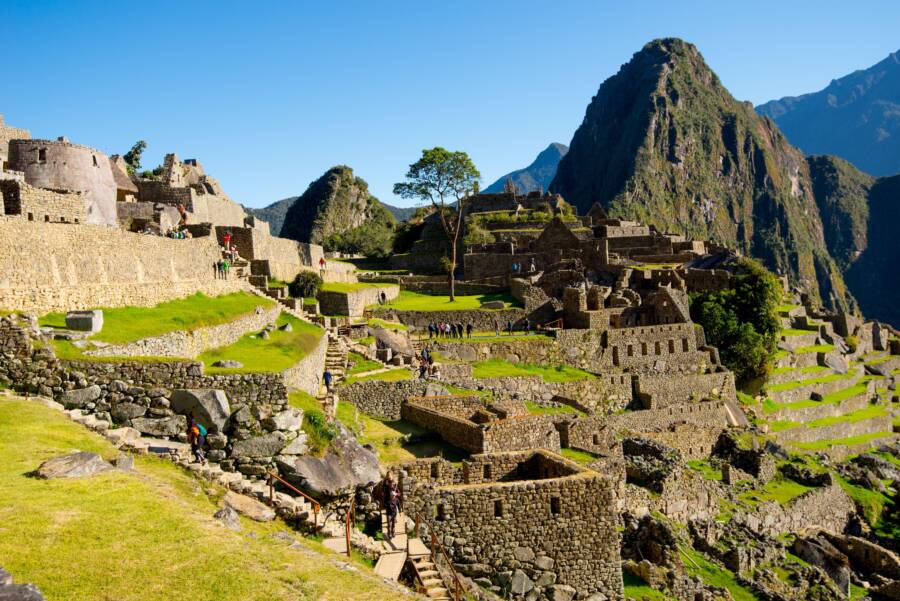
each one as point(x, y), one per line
point(537, 175)
point(856, 117)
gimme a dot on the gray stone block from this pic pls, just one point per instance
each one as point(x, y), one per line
point(85, 321)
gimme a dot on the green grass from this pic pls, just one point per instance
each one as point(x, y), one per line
point(388, 325)
point(770, 406)
point(636, 589)
point(578, 456)
point(64, 349)
point(796, 332)
point(705, 469)
point(815, 348)
point(808, 381)
point(417, 301)
point(711, 573)
point(820, 445)
point(745, 398)
point(498, 368)
point(871, 502)
point(349, 287)
point(783, 424)
point(360, 364)
point(812, 369)
point(844, 394)
point(392, 375)
point(869, 412)
point(127, 324)
point(779, 490)
point(147, 534)
point(786, 308)
point(281, 351)
point(397, 441)
point(536, 409)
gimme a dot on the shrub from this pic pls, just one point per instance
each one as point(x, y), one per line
point(305, 285)
point(475, 234)
point(852, 342)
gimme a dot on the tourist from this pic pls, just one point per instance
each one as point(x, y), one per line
point(431, 330)
point(382, 297)
point(197, 438)
point(226, 266)
point(226, 239)
point(426, 353)
point(322, 263)
point(496, 327)
point(527, 325)
point(532, 268)
point(469, 330)
point(423, 368)
point(390, 501)
point(509, 327)
point(327, 378)
point(459, 328)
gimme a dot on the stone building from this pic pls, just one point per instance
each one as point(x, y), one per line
point(7, 133)
point(532, 524)
point(59, 165)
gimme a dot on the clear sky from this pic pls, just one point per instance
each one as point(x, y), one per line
point(268, 95)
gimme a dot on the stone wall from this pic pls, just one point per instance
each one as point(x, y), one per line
point(822, 410)
point(658, 392)
point(59, 267)
point(381, 399)
point(191, 343)
point(685, 495)
point(834, 431)
point(536, 351)
point(38, 204)
point(827, 508)
point(528, 536)
point(306, 374)
point(799, 393)
point(58, 165)
point(482, 320)
point(354, 303)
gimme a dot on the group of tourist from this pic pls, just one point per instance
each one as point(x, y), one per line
point(517, 267)
point(387, 493)
point(444, 329)
point(223, 265)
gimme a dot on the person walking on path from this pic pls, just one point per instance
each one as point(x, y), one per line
point(226, 239)
point(197, 438)
point(391, 503)
point(509, 327)
point(469, 330)
point(496, 328)
point(327, 378)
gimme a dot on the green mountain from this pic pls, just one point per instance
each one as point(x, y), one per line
point(275, 213)
point(856, 117)
point(860, 214)
point(537, 175)
point(338, 212)
point(665, 143)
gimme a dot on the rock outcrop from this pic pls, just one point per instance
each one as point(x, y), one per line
point(74, 465)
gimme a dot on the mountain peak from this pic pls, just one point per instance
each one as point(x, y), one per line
point(537, 175)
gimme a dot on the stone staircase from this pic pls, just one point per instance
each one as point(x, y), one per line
point(403, 550)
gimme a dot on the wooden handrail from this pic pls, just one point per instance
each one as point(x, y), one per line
point(436, 544)
point(315, 504)
point(348, 520)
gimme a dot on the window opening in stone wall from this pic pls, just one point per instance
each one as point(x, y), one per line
point(435, 470)
point(95, 160)
point(630, 351)
point(498, 508)
point(657, 348)
point(486, 472)
point(554, 505)
point(684, 344)
point(671, 346)
point(596, 439)
point(76, 220)
point(47, 218)
point(440, 513)
point(643, 348)
point(42, 155)
point(30, 216)
point(616, 356)
point(62, 219)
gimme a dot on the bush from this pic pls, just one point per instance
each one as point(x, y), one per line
point(743, 320)
point(852, 342)
point(305, 285)
point(476, 234)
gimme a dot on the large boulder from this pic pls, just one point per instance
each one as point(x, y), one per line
point(397, 342)
point(288, 420)
point(166, 426)
point(73, 465)
point(251, 508)
point(123, 412)
point(259, 447)
point(85, 321)
point(80, 397)
point(345, 466)
point(821, 553)
point(208, 406)
point(17, 592)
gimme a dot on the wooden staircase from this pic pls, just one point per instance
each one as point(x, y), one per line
point(403, 551)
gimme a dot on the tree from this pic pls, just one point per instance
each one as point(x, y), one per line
point(438, 177)
point(133, 157)
point(305, 285)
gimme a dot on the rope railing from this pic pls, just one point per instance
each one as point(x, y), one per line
point(273, 477)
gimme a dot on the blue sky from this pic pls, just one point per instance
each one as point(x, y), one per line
point(268, 95)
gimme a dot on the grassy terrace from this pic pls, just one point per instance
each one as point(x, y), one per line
point(770, 406)
point(127, 324)
point(638, 590)
point(815, 348)
point(361, 365)
point(147, 534)
point(865, 413)
point(795, 332)
point(578, 456)
point(779, 490)
point(705, 469)
point(537, 409)
point(478, 337)
point(820, 445)
point(712, 573)
point(812, 369)
point(281, 351)
point(392, 375)
point(498, 368)
point(808, 381)
point(417, 301)
point(349, 287)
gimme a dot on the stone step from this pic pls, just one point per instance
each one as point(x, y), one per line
point(390, 565)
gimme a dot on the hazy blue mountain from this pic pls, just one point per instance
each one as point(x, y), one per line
point(537, 175)
point(857, 118)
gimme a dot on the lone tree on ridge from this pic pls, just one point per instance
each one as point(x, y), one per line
point(441, 176)
point(133, 157)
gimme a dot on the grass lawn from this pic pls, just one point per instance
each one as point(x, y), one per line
point(392, 375)
point(388, 325)
point(780, 490)
point(349, 287)
point(498, 368)
point(770, 406)
point(395, 442)
point(713, 574)
point(815, 348)
point(796, 332)
point(820, 445)
point(319, 432)
point(705, 469)
point(818, 380)
point(127, 324)
point(147, 534)
point(64, 349)
point(360, 364)
point(281, 351)
point(536, 409)
point(417, 301)
point(578, 456)
point(849, 418)
point(636, 589)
